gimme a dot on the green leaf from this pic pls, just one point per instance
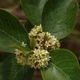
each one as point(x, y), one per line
point(53, 73)
point(25, 49)
point(33, 10)
point(10, 70)
point(0, 70)
point(28, 26)
point(3, 56)
point(11, 31)
point(59, 17)
point(67, 62)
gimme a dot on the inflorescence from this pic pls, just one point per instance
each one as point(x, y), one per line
point(39, 55)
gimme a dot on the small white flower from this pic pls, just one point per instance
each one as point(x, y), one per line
point(51, 42)
point(39, 59)
point(35, 31)
point(17, 51)
point(23, 44)
point(21, 60)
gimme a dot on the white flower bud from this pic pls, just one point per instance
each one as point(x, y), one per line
point(23, 44)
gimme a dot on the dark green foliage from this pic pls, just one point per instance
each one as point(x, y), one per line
point(57, 17)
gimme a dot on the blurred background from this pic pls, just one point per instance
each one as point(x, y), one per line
point(71, 42)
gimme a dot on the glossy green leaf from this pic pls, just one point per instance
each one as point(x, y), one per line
point(67, 62)
point(10, 70)
point(33, 10)
point(64, 66)
point(54, 73)
point(11, 31)
point(59, 17)
point(25, 49)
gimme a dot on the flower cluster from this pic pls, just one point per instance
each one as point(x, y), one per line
point(43, 43)
point(39, 59)
point(39, 56)
point(43, 40)
point(20, 56)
